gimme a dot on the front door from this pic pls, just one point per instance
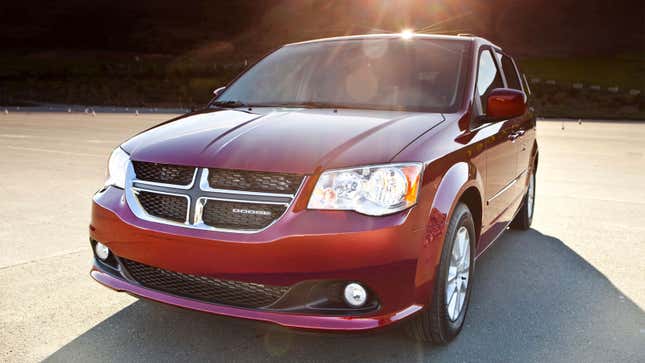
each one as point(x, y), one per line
point(501, 151)
point(525, 124)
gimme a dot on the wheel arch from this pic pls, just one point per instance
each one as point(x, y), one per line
point(472, 198)
point(462, 182)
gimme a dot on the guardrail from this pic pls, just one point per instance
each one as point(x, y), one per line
point(581, 86)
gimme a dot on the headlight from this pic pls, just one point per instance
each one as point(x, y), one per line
point(117, 167)
point(372, 190)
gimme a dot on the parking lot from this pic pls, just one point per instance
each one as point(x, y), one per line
point(570, 289)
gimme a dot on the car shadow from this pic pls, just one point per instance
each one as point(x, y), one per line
point(533, 299)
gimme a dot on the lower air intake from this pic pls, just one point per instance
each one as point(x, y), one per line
point(225, 292)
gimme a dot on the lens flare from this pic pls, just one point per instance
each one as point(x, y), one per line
point(407, 33)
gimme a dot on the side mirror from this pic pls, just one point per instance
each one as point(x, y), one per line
point(505, 103)
point(218, 92)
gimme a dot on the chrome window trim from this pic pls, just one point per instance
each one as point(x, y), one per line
point(131, 191)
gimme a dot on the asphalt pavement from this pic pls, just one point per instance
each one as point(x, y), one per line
point(571, 289)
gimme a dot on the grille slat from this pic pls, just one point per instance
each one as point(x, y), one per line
point(254, 181)
point(163, 173)
point(240, 216)
point(170, 207)
point(226, 292)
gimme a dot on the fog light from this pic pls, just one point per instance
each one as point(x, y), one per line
point(102, 251)
point(355, 295)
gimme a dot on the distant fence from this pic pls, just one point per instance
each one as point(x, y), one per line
point(581, 86)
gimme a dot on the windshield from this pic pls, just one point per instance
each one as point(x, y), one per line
point(394, 73)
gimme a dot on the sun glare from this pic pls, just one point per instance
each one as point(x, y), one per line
point(407, 33)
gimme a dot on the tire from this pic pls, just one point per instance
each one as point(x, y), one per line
point(524, 217)
point(434, 324)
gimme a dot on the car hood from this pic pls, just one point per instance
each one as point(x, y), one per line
point(281, 140)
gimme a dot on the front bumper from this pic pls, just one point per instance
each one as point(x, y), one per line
point(333, 323)
point(381, 253)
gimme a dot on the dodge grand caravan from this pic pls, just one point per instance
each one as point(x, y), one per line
point(339, 184)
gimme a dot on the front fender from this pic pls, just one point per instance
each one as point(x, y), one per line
point(459, 178)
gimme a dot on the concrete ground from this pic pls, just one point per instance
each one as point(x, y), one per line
point(570, 289)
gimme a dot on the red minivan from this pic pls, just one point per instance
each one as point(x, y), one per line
point(339, 184)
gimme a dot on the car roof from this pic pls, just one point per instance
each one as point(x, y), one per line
point(465, 38)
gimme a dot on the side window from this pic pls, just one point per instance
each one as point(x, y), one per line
point(488, 77)
point(510, 72)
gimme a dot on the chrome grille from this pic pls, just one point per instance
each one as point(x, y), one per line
point(204, 288)
point(235, 215)
point(212, 199)
point(172, 207)
point(254, 181)
point(163, 173)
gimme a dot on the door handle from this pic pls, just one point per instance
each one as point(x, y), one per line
point(516, 134)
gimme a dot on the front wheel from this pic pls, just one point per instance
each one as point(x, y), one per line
point(443, 319)
point(524, 217)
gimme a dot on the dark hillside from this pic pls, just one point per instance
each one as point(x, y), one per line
point(586, 58)
point(167, 26)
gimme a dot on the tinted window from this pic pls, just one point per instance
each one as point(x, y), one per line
point(488, 78)
point(508, 67)
point(413, 74)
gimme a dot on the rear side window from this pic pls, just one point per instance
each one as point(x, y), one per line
point(488, 77)
point(512, 78)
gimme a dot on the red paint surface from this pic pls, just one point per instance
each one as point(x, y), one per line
point(506, 103)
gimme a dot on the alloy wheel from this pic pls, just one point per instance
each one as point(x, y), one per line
point(531, 195)
point(458, 274)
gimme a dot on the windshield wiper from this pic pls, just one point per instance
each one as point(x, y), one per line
point(310, 104)
point(229, 104)
point(306, 104)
